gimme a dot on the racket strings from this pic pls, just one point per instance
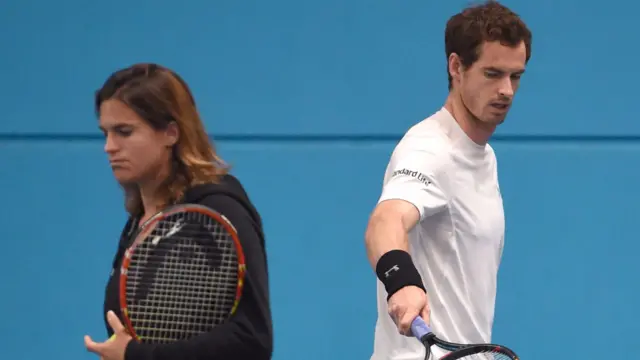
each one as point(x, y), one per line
point(182, 278)
point(486, 355)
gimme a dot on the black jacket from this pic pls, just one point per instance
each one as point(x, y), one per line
point(249, 333)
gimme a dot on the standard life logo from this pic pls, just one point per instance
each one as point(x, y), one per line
point(415, 174)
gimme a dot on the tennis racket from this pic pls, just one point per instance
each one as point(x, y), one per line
point(182, 275)
point(459, 351)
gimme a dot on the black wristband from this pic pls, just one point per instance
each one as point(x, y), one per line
point(395, 270)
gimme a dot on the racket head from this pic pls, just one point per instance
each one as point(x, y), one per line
point(481, 352)
point(182, 275)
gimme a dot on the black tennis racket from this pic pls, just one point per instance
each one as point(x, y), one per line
point(182, 276)
point(423, 332)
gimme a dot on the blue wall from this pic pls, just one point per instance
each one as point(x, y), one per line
point(328, 87)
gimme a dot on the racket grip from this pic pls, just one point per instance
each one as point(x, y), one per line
point(419, 328)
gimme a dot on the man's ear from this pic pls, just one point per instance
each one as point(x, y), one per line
point(455, 67)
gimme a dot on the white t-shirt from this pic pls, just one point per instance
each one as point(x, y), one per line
point(457, 245)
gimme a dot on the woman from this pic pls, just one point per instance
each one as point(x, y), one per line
point(161, 155)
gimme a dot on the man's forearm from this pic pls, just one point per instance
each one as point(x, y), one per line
point(383, 235)
point(388, 251)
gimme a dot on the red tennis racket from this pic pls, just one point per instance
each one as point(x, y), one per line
point(182, 276)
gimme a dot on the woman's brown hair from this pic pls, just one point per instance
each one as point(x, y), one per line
point(159, 96)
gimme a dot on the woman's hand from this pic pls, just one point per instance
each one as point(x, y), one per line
point(114, 348)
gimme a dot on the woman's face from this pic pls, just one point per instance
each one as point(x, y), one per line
point(137, 152)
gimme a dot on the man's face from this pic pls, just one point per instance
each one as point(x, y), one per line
point(488, 86)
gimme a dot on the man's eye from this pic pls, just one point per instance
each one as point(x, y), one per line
point(124, 132)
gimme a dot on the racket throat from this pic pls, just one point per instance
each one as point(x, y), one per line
point(428, 340)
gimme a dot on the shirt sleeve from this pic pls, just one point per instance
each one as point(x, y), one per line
point(246, 335)
point(416, 174)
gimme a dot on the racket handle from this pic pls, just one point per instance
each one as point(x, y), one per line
point(419, 328)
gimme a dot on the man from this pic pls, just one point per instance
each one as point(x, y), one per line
point(435, 238)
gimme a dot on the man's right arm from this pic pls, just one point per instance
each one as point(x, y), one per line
point(388, 228)
point(411, 193)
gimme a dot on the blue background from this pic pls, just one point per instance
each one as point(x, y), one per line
point(306, 100)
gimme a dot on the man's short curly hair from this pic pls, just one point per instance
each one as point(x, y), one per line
point(488, 22)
